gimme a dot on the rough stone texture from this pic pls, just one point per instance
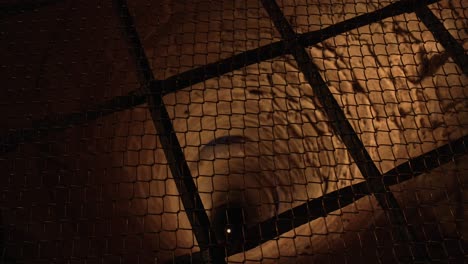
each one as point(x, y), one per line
point(103, 192)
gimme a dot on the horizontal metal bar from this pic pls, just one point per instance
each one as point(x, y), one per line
point(216, 69)
point(426, 162)
point(278, 48)
point(395, 9)
point(41, 128)
point(322, 206)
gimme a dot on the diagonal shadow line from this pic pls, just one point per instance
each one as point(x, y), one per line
point(10, 141)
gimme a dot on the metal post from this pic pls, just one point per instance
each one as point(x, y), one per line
point(343, 128)
point(174, 155)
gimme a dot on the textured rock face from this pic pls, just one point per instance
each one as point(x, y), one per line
point(397, 85)
point(402, 93)
point(258, 138)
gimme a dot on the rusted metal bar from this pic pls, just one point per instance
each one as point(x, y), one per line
point(172, 149)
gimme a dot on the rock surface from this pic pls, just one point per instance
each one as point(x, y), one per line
point(103, 192)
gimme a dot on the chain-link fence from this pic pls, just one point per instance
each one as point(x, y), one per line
point(199, 131)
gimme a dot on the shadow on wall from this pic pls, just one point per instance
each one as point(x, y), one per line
point(102, 192)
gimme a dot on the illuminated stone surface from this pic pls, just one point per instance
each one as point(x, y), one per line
point(108, 183)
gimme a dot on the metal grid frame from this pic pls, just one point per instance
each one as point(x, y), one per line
point(151, 91)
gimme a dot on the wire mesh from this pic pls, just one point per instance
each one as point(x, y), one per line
point(287, 131)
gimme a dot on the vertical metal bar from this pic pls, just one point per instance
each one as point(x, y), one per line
point(175, 157)
point(342, 127)
point(442, 35)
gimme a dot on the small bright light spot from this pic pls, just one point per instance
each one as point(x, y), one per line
point(228, 230)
